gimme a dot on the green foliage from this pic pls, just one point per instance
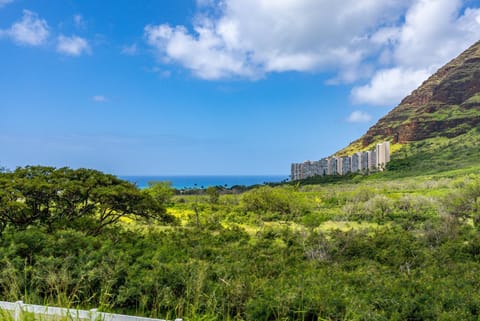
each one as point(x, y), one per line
point(464, 202)
point(372, 249)
point(436, 155)
point(82, 198)
point(161, 192)
point(213, 193)
point(275, 203)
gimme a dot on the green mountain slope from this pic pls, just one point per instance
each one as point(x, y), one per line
point(436, 127)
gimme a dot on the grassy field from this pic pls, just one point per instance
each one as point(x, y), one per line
point(403, 244)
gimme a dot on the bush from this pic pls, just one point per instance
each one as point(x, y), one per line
point(379, 207)
point(279, 202)
point(464, 202)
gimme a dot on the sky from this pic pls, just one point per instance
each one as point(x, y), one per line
point(211, 87)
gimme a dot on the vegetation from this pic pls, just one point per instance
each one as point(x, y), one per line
point(82, 199)
point(403, 244)
point(436, 155)
point(362, 248)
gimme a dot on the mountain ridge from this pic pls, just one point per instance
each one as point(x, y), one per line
point(447, 104)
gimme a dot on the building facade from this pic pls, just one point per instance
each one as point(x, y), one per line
point(383, 155)
point(356, 162)
point(346, 165)
point(361, 162)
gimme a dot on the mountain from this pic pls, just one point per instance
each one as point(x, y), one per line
point(436, 127)
point(447, 104)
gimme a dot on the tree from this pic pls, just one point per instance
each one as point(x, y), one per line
point(213, 193)
point(162, 192)
point(82, 198)
point(465, 202)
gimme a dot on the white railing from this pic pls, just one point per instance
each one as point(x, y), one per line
point(17, 308)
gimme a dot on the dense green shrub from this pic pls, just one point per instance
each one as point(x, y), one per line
point(277, 203)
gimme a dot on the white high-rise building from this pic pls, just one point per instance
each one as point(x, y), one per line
point(346, 165)
point(383, 155)
point(372, 159)
point(332, 166)
point(339, 165)
point(323, 167)
point(364, 166)
point(358, 162)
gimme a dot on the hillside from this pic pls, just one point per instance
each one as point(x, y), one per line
point(446, 105)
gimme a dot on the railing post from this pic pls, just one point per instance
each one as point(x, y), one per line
point(18, 310)
point(93, 314)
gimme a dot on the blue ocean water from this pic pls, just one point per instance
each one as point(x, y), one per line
point(181, 182)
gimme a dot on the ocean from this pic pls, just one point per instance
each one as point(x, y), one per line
point(182, 182)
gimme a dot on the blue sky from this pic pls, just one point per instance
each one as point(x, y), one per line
point(211, 87)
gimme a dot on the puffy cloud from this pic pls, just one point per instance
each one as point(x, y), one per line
point(206, 56)
point(359, 117)
point(31, 30)
point(250, 37)
point(434, 32)
point(72, 46)
point(389, 86)
point(393, 45)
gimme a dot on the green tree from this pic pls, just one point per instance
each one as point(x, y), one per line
point(213, 193)
point(162, 192)
point(82, 198)
point(464, 202)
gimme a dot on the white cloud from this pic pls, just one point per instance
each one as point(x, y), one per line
point(388, 45)
point(30, 30)
point(130, 50)
point(389, 86)
point(72, 46)
point(250, 38)
point(99, 99)
point(205, 56)
point(434, 32)
point(5, 2)
point(359, 117)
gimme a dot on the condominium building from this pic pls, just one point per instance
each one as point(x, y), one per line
point(372, 159)
point(356, 162)
point(339, 165)
point(364, 162)
point(332, 166)
point(360, 162)
point(323, 167)
point(346, 165)
point(383, 155)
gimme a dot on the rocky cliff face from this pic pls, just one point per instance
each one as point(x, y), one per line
point(447, 104)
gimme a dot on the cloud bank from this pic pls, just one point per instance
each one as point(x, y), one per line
point(376, 45)
point(434, 32)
